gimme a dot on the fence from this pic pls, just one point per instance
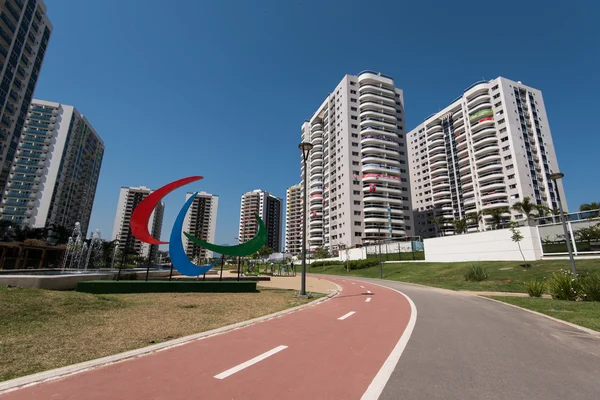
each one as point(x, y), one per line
point(582, 233)
point(396, 251)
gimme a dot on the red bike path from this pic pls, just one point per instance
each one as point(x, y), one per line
point(325, 357)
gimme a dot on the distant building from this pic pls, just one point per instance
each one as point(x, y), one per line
point(293, 220)
point(200, 221)
point(268, 207)
point(24, 34)
point(129, 198)
point(55, 170)
point(490, 148)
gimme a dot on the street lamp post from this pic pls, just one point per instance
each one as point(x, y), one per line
point(238, 260)
point(556, 176)
point(305, 148)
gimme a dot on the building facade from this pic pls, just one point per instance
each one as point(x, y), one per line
point(55, 170)
point(129, 198)
point(358, 172)
point(490, 148)
point(268, 207)
point(293, 220)
point(24, 34)
point(200, 221)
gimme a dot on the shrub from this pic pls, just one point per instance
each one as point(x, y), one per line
point(562, 286)
point(360, 264)
point(535, 288)
point(590, 287)
point(318, 264)
point(476, 273)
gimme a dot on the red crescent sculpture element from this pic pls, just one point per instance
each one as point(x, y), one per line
point(141, 214)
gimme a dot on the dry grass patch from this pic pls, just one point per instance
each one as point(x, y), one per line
point(41, 329)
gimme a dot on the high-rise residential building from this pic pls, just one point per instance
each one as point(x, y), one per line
point(129, 198)
point(200, 221)
point(268, 207)
point(490, 148)
point(293, 220)
point(357, 172)
point(55, 170)
point(24, 33)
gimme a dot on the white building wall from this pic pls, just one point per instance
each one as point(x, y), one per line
point(495, 245)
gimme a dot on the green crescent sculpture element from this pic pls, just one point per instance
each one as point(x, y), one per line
point(244, 249)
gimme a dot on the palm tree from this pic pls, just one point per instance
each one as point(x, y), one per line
point(460, 226)
point(438, 222)
point(589, 206)
point(526, 207)
point(497, 216)
point(542, 210)
point(475, 217)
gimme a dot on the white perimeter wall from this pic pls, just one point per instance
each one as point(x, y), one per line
point(484, 246)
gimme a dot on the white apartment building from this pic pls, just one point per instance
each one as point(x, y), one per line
point(129, 198)
point(268, 207)
point(200, 221)
point(490, 148)
point(293, 220)
point(24, 33)
point(358, 171)
point(55, 169)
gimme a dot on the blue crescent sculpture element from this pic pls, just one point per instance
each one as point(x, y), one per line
point(176, 250)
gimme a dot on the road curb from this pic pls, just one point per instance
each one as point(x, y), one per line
point(572, 325)
point(53, 374)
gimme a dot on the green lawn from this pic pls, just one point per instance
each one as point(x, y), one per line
point(504, 276)
point(581, 313)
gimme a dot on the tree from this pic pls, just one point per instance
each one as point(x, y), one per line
point(497, 215)
point(460, 226)
point(516, 237)
point(475, 217)
point(589, 234)
point(439, 222)
point(265, 251)
point(526, 207)
point(57, 234)
point(320, 252)
point(542, 210)
point(589, 206)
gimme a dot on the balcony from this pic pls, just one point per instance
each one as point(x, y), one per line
point(476, 127)
point(493, 184)
point(380, 122)
point(494, 204)
point(436, 144)
point(485, 149)
point(376, 88)
point(376, 112)
point(484, 158)
point(436, 135)
point(379, 140)
point(387, 108)
point(439, 178)
point(388, 149)
point(489, 176)
point(493, 194)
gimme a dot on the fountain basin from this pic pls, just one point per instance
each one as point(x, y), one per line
point(68, 280)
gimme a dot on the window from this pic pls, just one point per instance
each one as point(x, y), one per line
point(356, 223)
point(512, 186)
point(510, 166)
point(352, 100)
point(357, 202)
point(355, 172)
point(355, 153)
point(357, 234)
point(354, 162)
point(506, 148)
point(355, 135)
point(354, 144)
point(354, 126)
point(353, 92)
point(501, 121)
point(356, 212)
point(356, 192)
point(508, 157)
point(498, 104)
point(502, 130)
point(495, 87)
point(353, 117)
point(353, 109)
point(352, 83)
point(496, 96)
point(504, 139)
point(511, 176)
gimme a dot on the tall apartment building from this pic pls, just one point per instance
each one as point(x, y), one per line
point(201, 222)
point(358, 172)
point(268, 208)
point(293, 220)
point(490, 148)
point(55, 170)
point(24, 33)
point(129, 198)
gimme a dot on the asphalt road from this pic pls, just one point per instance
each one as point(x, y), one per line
point(466, 347)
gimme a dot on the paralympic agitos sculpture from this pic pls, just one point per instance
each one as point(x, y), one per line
point(139, 229)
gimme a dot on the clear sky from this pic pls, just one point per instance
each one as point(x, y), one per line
point(221, 88)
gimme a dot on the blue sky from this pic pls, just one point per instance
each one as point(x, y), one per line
point(221, 88)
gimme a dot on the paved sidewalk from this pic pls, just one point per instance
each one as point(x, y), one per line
point(507, 294)
point(313, 284)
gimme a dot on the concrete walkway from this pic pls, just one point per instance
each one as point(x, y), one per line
point(313, 283)
point(507, 294)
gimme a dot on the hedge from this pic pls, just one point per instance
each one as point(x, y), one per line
point(98, 287)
